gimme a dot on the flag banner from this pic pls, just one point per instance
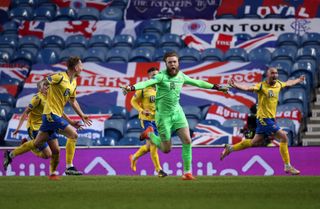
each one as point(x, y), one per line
point(226, 41)
point(12, 72)
point(98, 85)
point(263, 8)
point(151, 9)
point(250, 26)
point(261, 161)
point(86, 28)
point(78, 4)
point(95, 131)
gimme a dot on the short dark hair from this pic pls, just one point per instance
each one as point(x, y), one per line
point(72, 62)
point(170, 54)
point(152, 69)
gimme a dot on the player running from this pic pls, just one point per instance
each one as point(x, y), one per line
point(144, 102)
point(268, 93)
point(169, 114)
point(62, 88)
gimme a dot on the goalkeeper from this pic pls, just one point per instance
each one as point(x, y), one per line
point(169, 115)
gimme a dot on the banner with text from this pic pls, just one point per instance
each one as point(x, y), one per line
point(249, 26)
point(190, 9)
point(205, 162)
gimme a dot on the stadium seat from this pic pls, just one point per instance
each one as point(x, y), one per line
point(111, 13)
point(129, 141)
point(123, 40)
point(260, 55)
point(307, 53)
point(141, 54)
point(105, 141)
point(189, 55)
point(7, 99)
point(10, 27)
point(21, 13)
point(53, 41)
point(66, 13)
point(236, 54)
point(44, 14)
point(76, 41)
point(310, 39)
point(8, 42)
point(192, 112)
point(88, 13)
point(94, 55)
point(84, 141)
point(18, 110)
point(100, 40)
point(290, 39)
point(241, 108)
point(23, 57)
point(147, 40)
point(5, 112)
point(47, 56)
point(23, 3)
point(120, 3)
point(192, 122)
point(29, 42)
point(75, 51)
point(284, 53)
point(282, 66)
point(153, 27)
point(308, 69)
point(133, 113)
point(117, 112)
point(114, 128)
point(116, 55)
point(288, 126)
point(212, 54)
point(134, 125)
point(5, 57)
point(204, 111)
point(170, 39)
point(296, 96)
point(237, 123)
point(160, 52)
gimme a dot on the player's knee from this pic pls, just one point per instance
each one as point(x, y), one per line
point(55, 151)
point(74, 136)
point(47, 155)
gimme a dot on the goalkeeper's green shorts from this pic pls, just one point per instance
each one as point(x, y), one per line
point(167, 124)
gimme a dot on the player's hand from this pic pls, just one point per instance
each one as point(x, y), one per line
point(224, 89)
point(146, 112)
point(77, 124)
point(126, 89)
point(15, 132)
point(87, 121)
point(302, 78)
point(231, 82)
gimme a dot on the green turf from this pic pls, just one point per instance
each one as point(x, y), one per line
point(90, 192)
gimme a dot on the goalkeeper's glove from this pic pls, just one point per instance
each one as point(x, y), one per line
point(223, 89)
point(126, 89)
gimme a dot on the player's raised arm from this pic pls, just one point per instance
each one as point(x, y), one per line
point(204, 84)
point(141, 85)
point(243, 87)
point(295, 81)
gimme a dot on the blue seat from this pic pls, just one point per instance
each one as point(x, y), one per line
point(160, 52)
point(5, 57)
point(310, 39)
point(133, 113)
point(7, 99)
point(282, 66)
point(47, 56)
point(188, 55)
point(100, 41)
point(147, 40)
point(120, 3)
point(44, 14)
point(192, 122)
point(308, 69)
point(5, 113)
point(212, 54)
point(23, 3)
point(288, 126)
point(236, 123)
point(236, 54)
point(105, 141)
point(21, 13)
point(284, 53)
point(94, 55)
point(290, 39)
point(241, 108)
point(307, 53)
point(53, 41)
point(66, 13)
point(123, 40)
point(74, 51)
point(23, 57)
point(134, 125)
point(129, 141)
point(114, 128)
point(170, 39)
point(154, 27)
point(76, 41)
point(29, 42)
point(84, 141)
point(260, 55)
point(88, 13)
point(296, 96)
point(8, 42)
point(111, 13)
point(18, 110)
point(117, 112)
point(141, 54)
point(10, 27)
point(192, 112)
point(241, 37)
point(116, 55)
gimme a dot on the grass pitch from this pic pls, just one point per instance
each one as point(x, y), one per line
point(113, 192)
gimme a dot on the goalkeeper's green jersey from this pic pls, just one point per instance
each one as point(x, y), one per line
point(169, 88)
